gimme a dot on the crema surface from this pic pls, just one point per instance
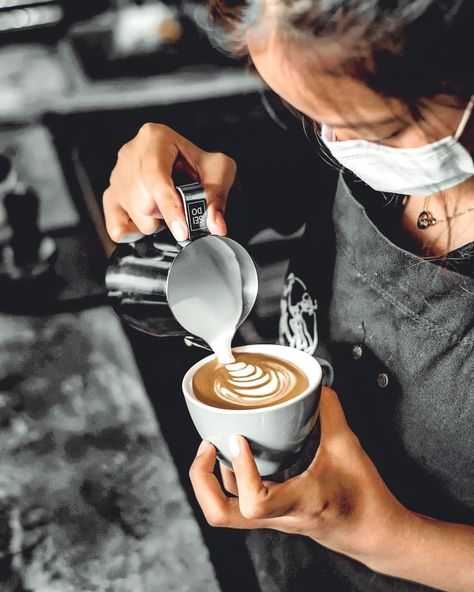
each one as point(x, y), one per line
point(254, 380)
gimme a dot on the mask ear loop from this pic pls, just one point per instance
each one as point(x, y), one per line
point(465, 118)
point(326, 129)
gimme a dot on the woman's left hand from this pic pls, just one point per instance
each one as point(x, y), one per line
point(340, 501)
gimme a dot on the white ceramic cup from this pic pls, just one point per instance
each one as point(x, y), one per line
point(276, 434)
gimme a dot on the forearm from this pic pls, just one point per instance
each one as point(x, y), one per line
point(438, 554)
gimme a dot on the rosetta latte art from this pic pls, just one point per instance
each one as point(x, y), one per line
point(252, 381)
point(248, 384)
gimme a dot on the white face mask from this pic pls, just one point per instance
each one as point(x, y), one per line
point(408, 171)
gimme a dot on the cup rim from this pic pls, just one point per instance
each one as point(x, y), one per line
point(313, 382)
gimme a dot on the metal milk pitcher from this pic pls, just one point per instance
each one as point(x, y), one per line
point(147, 281)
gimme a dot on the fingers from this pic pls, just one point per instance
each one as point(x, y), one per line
point(116, 218)
point(206, 487)
point(121, 222)
point(338, 442)
point(160, 196)
point(118, 222)
point(331, 413)
point(228, 478)
point(215, 219)
point(142, 189)
point(145, 224)
point(258, 500)
point(162, 150)
point(217, 172)
point(218, 509)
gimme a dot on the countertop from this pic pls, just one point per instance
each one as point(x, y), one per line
point(37, 79)
point(89, 495)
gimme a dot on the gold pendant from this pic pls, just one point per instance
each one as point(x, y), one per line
point(425, 220)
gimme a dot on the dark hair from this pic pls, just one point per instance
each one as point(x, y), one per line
point(409, 49)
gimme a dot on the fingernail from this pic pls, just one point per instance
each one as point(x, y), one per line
point(234, 445)
point(218, 223)
point(131, 238)
point(202, 447)
point(179, 230)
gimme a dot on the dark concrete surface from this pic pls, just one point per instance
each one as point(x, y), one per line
point(90, 499)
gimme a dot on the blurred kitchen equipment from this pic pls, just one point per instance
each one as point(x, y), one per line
point(51, 258)
point(144, 29)
point(26, 254)
point(45, 20)
point(8, 181)
point(149, 280)
point(17, 16)
point(137, 39)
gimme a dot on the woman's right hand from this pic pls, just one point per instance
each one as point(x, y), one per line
point(141, 195)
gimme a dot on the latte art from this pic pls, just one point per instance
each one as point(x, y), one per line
point(247, 383)
point(252, 381)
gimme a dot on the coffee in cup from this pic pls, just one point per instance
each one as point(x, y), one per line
point(253, 381)
point(277, 431)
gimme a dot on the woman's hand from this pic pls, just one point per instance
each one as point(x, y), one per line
point(340, 501)
point(141, 193)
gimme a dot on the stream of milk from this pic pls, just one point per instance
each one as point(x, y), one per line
point(209, 303)
point(207, 299)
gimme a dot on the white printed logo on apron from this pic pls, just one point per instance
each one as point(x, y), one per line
point(298, 326)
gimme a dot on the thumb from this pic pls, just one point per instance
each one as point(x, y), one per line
point(217, 174)
point(338, 443)
point(215, 216)
point(333, 420)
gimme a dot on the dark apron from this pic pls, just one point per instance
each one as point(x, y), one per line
point(399, 332)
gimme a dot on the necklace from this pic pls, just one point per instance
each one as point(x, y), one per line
point(426, 218)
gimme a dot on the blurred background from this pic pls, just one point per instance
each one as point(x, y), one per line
point(96, 441)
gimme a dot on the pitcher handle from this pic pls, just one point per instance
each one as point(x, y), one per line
point(195, 209)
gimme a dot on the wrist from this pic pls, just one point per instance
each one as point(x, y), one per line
point(399, 544)
point(432, 552)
